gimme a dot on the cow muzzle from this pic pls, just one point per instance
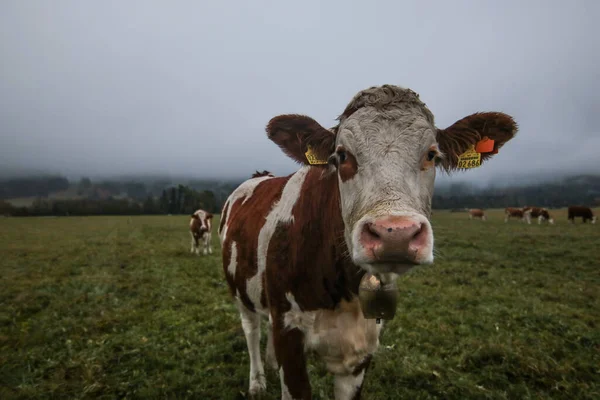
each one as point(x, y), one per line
point(394, 241)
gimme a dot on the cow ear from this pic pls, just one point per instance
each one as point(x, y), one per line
point(295, 134)
point(460, 136)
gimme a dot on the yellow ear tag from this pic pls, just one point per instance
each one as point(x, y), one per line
point(469, 159)
point(312, 157)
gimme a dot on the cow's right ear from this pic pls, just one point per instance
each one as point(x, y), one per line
point(296, 134)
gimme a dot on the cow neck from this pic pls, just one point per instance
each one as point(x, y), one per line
point(323, 233)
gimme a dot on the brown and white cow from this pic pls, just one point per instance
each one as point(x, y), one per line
point(580, 211)
point(295, 247)
point(523, 215)
point(201, 231)
point(540, 213)
point(477, 213)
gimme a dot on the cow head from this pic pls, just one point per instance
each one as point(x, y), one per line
point(385, 151)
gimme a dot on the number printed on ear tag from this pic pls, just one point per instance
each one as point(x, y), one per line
point(469, 159)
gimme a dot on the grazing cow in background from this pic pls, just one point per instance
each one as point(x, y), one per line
point(201, 231)
point(541, 214)
point(580, 211)
point(296, 247)
point(511, 212)
point(477, 213)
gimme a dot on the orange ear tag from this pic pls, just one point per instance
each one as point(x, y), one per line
point(485, 145)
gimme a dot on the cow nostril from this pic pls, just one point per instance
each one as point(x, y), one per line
point(372, 232)
point(369, 235)
point(419, 237)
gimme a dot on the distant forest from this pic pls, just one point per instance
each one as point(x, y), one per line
point(56, 195)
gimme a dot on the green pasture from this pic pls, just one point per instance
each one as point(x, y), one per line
point(117, 307)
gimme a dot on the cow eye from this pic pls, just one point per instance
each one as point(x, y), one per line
point(341, 156)
point(431, 155)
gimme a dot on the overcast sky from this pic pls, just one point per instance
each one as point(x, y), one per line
point(187, 87)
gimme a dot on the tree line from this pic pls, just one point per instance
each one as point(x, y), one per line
point(163, 197)
point(175, 200)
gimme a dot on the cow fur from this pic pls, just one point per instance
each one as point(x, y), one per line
point(585, 213)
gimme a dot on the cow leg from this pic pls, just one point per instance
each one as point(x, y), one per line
point(270, 352)
point(194, 243)
point(506, 219)
point(203, 240)
point(289, 349)
point(207, 243)
point(251, 327)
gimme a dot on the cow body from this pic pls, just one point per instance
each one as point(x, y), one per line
point(201, 231)
point(519, 213)
point(477, 213)
point(540, 213)
point(295, 247)
point(585, 213)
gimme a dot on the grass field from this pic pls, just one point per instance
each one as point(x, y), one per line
point(117, 307)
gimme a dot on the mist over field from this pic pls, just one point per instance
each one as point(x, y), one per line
point(110, 89)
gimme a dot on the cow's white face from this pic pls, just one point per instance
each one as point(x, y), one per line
point(384, 151)
point(386, 167)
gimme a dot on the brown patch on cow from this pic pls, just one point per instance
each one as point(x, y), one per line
point(243, 226)
point(289, 350)
point(348, 168)
point(585, 213)
point(457, 138)
point(309, 258)
point(476, 212)
point(293, 133)
point(259, 174)
point(513, 212)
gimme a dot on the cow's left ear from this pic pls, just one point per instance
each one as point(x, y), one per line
point(298, 135)
point(460, 136)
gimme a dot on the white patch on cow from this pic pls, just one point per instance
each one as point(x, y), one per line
point(280, 213)
point(232, 260)
point(251, 327)
point(285, 392)
point(245, 190)
point(347, 385)
point(342, 337)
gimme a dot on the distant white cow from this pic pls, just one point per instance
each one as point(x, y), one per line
point(201, 231)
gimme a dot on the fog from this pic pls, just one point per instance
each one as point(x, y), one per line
point(187, 87)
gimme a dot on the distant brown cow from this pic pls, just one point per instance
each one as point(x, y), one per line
point(540, 213)
point(511, 212)
point(201, 230)
point(477, 213)
point(584, 212)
